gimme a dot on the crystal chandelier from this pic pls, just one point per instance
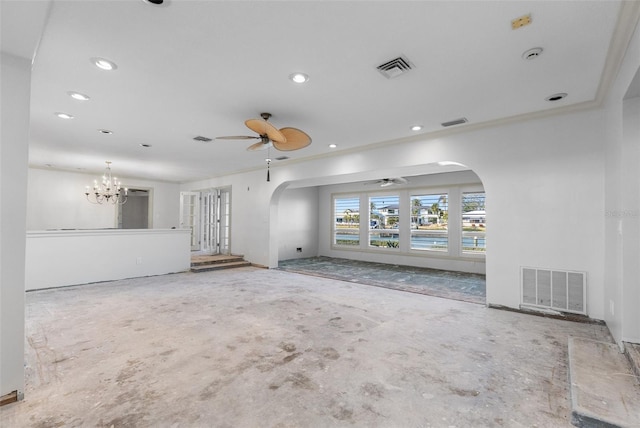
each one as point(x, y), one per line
point(109, 191)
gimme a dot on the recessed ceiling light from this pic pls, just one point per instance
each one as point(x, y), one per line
point(556, 97)
point(332, 146)
point(63, 115)
point(105, 131)
point(416, 127)
point(299, 77)
point(104, 64)
point(78, 96)
point(145, 145)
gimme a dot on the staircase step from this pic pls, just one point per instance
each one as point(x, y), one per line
point(604, 392)
point(220, 266)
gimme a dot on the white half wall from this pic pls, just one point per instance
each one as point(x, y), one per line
point(298, 220)
point(64, 257)
point(56, 200)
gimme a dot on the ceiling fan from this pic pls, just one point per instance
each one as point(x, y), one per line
point(386, 182)
point(284, 139)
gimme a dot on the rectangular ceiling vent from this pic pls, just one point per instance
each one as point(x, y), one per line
point(203, 139)
point(455, 122)
point(564, 291)
point(395, 67)
point(282, 158)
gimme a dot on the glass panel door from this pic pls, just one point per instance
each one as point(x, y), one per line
point(189, 209)
point(224, 221)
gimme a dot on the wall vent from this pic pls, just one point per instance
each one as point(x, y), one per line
point(203, 139)
point(564, 291)
point(455, 122)
point(395, 67)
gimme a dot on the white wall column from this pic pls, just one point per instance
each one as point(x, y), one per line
point(15, 96)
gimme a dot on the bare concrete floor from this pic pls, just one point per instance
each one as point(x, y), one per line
point(266, 348)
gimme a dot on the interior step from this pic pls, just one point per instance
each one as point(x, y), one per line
point(604, 390)
point(201, 260)
point(219, 266)
point(206, 263)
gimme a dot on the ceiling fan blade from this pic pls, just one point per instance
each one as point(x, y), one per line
point(296, 139)
point(259, 146)
point(400, 180)
point(237, 137)
point(263, 127)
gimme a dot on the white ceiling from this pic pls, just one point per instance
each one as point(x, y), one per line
point(190, 68)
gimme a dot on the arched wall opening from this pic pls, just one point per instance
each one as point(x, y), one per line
point(427, 235)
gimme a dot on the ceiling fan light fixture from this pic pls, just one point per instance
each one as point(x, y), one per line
point(104, 64)
point(299, 77)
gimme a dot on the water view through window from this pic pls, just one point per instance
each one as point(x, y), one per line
point(429, 222)
point(346, 225)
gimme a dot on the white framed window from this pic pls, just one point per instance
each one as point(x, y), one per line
point(474, 223)
point(384, 217)
point(346, 221)
point(430, 222)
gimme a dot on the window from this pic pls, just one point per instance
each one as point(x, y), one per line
point(346, 225)
point(474, 225)
point(383, 221)
point(429, 220)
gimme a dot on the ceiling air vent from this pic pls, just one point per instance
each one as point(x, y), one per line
point(395, 67)
point(282, 158)
point(203, 139)
point(455, 122)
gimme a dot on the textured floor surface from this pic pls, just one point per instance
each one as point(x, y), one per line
point(266, 348)
point(467, 287)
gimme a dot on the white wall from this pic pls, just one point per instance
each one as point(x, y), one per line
point(56, 200)
point(59, 258)
point(15, 90)
point(452, 183)
point(298, 223)
point(631, 221)
point(544, 181)
point(622, 177)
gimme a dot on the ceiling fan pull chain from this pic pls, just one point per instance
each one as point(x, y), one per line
point(268, 162)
